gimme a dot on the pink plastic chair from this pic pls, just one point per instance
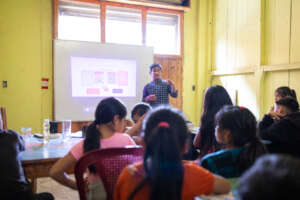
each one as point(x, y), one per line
point(109, 164)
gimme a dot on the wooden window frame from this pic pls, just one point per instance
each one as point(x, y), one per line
point(142, 8)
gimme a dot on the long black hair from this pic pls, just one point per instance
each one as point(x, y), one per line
point(106, 110)
point(243, 128)
point(165, 137)
point(215, 98)
point(285, 91)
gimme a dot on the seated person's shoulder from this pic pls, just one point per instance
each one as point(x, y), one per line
point(218, 159)
point(215, 156)
point(11, 137)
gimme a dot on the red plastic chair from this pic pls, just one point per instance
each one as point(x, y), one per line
point(109, 164)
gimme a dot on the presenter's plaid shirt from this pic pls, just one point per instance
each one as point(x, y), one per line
point(161, 89)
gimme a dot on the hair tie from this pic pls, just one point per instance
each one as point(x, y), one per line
point(163, 124)
point(242, 108)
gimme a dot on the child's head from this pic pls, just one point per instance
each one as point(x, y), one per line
point(214, 99)
point(286, 106)
point(235, 126)
point(110, 112)
point(139, 110)
point(273, 177)
point(165, 138)
point(284, 91)
point(155, 71)
point(165, 125)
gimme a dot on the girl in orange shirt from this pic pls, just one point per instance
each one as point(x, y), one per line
point(163, 175)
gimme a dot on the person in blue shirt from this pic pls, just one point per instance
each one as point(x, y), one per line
point(157, 91)
point(236, 130)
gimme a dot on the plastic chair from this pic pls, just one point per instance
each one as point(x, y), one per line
point(109, 164)
point(3, 122)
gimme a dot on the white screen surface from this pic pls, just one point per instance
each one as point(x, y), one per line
point(94, 77)
point(87, 72)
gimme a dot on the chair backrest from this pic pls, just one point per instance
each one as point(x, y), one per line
point(109, 164)
point(3, 122)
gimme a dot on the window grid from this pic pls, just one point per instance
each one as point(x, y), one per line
point(144, 10)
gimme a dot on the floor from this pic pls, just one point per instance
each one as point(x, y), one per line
point(57, 190)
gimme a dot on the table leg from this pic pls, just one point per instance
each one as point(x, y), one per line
point(33, 182)
point(34, 185)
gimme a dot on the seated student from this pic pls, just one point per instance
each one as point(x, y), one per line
point(163, 174)
point(283, 130)
point(138, 114)
point(284, 91)
point(13, 184)
point(214, 99)
point(236, 130)
point(273, 177)
point(280, 93)
point(109, 120)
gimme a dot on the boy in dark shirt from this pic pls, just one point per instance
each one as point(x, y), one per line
point(13, 184)
point(282, 127)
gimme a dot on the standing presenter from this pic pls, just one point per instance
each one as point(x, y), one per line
point(157, 91)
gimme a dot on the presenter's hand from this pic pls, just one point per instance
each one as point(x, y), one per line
point(151, 97)
point(170, 83)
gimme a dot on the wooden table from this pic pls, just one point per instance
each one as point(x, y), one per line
point(37, 159)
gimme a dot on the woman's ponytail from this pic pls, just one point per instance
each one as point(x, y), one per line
point(92, 141)
point(252, 150)
point(165, 137)
point(166, 170)
point(92, 138)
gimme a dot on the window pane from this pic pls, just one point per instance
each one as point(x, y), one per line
point(123, 25)
point(163, 33)
point(79, 21)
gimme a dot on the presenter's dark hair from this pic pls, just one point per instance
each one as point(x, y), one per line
point(215, 98)
point(242, 125)
point(155, 65)
point(273, 177)
point(285, 91)
point(165, 137)
point(106, 110)
point(140, 109)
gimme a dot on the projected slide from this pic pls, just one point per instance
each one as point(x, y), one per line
point(92, 77)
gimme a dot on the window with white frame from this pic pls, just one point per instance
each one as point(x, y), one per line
point(163, 33)
point(123, 25)
point(79, 21)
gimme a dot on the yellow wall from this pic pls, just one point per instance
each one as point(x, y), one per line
point(255, 49)
point(282, 47)
point(190, 60)
point(196, 57)
point(236, 47)
point(26, 57)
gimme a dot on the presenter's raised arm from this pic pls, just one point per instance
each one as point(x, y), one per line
point(173, 91)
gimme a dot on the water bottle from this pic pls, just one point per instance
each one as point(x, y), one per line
point(46, 131)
